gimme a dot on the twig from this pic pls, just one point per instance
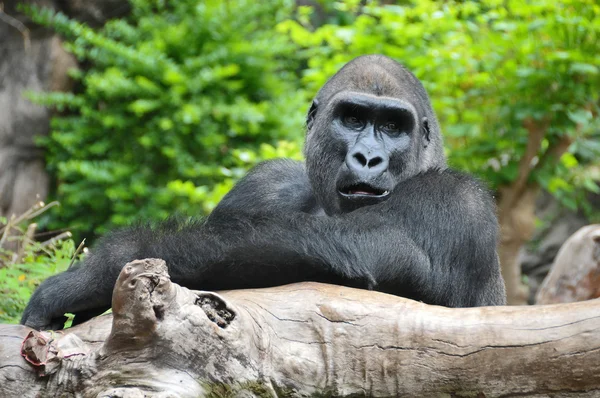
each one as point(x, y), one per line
point(34, 211)
point(77, 251)
point(15, 220)
point(26, 239)
point(555, 151)
point(42, 209)
point(6, 229)
point(59, 237)
point(15, 23)
point(53, 232)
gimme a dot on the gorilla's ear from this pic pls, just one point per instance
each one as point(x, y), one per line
point(426, 132)
point(312, 113)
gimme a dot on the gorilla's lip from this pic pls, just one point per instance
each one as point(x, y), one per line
point(363, 190)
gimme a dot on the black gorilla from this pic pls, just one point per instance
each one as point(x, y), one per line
point(375, 207)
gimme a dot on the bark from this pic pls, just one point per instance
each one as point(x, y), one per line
point(303, 339)
point(575, 275)
point(516, 215)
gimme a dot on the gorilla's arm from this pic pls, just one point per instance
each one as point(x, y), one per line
point(384, 247)
point(272, 186)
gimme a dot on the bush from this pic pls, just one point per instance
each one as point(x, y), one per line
point(176, 103)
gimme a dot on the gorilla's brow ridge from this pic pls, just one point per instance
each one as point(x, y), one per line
point(370, 100)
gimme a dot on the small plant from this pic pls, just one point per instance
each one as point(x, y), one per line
point(25, 262)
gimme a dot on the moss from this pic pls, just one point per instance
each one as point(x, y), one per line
point(223, 390)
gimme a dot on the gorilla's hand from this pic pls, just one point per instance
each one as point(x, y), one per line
point(39, 314)
point(72, 291)
point(38, 321)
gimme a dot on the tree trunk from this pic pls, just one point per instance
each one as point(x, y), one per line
point(303, 339)
point(26, 63)
point(516, 206)
point(517, 224)
point(33, 59)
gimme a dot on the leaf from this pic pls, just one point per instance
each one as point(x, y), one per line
point(569, 161)
point(584, 69)
point(580, 116)
point(505, 26)
point(142, 106)
point(569, 202)
point(591, 185)
point(557, 184)
point(191, 113)
point(560, 55)
point(173, 76)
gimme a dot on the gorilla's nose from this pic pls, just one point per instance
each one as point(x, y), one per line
point(366, 162)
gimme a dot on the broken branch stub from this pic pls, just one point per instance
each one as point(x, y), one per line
point(575, 274)
point(306, 339)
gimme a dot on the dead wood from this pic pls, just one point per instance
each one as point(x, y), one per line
point(575, 274)
point(303, 339)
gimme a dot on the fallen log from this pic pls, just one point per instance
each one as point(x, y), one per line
point(305, 339)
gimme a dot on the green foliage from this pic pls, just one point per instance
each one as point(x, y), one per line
point(181, 98)
point(490, 67)
point(28, 261)
point(19, 279)
point(178, 101)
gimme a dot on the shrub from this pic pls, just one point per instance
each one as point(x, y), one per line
point(176, 102)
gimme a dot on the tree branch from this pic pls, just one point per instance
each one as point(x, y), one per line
point(301, 340)
point(555, 151)
point(536, 132)
point(18, 25)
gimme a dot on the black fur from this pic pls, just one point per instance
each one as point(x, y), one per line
point(375, 207)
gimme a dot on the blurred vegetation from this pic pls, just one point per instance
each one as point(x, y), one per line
point(180, 98)
point(177, 101)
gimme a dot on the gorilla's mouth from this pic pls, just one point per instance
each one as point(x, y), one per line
point(363, 190)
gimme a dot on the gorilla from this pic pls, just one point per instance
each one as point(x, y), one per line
point(375, 206)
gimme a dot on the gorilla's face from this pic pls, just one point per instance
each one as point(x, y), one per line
point(368, 129)
point(368, 144)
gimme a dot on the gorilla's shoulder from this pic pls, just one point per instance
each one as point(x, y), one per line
point(455, 191)
point(456, 180)
point(278, 174)
point(273, 185)
point(279, 168)
point(468, 196)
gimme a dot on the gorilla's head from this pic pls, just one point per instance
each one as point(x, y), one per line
point(370, 127)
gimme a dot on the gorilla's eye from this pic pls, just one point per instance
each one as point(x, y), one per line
point(401, 122)
point(353, 121)
point(391, 126)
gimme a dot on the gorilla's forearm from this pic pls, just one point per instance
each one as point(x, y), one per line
point(251, 250)
point(361, 249)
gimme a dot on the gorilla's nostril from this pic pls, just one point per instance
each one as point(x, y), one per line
point(375, 161)
point(361, 159)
